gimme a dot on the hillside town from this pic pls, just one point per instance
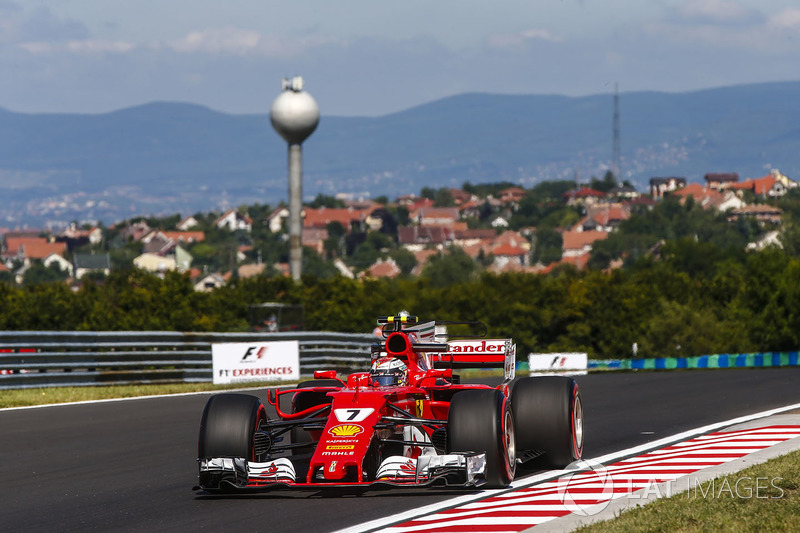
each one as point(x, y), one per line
point(380, 238)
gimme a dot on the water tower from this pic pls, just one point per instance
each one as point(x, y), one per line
point(295, 115)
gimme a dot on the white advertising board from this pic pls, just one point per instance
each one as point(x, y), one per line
point(558, 362)
point(240, 362)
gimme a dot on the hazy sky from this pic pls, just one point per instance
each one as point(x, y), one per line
point(372, 57)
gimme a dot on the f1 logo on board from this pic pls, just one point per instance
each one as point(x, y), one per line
point(239, 362)
point(251, 355)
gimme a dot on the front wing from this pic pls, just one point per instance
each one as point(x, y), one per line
point(451, 470)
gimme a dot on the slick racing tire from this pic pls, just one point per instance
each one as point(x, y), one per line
point(228, 426)
point(549, 417)
point(305, 399)
point(228, 429)
point(482, 421)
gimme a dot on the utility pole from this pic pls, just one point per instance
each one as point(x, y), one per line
point(615, 157)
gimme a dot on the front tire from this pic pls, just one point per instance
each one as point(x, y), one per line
point(549, 416)
point(482, 421)
point(228, 429)
point(228, 426)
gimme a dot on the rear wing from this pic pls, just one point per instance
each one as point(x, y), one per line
point(482, 353)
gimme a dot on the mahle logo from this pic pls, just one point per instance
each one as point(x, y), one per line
point(346, 430)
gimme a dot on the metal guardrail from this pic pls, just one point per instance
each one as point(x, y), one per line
point(740, 360)
point(77, 358)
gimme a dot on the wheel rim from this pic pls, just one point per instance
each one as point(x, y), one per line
point(510, 443)
point(577, 425)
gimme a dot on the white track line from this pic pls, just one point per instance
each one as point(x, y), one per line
point(544, 476)
point(109, 400)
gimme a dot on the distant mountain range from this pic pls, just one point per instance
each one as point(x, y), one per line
point(164, 158)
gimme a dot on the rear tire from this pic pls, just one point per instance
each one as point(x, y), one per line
point(482, 421)
point(549, 416)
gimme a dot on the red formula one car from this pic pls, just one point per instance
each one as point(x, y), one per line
point(407, 422)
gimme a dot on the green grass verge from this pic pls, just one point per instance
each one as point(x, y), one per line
point(50, 395)
point(767, 498)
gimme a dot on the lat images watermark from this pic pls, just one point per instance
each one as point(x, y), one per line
point(587, 489)
point(743, 488)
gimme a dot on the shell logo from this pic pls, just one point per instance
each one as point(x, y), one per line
point(346, 430)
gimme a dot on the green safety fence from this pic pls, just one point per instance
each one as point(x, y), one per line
point(745, 360)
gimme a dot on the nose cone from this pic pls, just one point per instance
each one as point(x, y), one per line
point(294, 115)
point(335, 470)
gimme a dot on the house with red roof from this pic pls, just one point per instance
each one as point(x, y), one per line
point(512, 195)
point(383, 268)
point(471, 209)
point(773, 185)
point(584, 196)
point(76, 237)
point(508, 254)
point(461, 197)
point(604, 217)
point(321, 217)
point(188, 237)
point(135, 232)
point(471, 237)
point(511, 238)
point(576, 243)
point(24, 248)
point(413, 202)
point(314, 238)
point(709, 198)
point(578, 261)
point(415, 238)
point(435, 216)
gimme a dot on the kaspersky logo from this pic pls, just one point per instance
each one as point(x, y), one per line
point(254, 353)
point(346, 430)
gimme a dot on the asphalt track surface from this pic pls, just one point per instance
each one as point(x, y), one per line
point(130, 465)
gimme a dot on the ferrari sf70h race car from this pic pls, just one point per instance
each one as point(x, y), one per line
point(407, 422)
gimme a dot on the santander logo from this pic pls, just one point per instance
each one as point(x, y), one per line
point(482, 346)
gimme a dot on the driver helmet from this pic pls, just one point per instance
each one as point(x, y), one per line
point(388, 371)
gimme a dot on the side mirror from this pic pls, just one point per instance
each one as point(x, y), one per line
point(325, 374)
